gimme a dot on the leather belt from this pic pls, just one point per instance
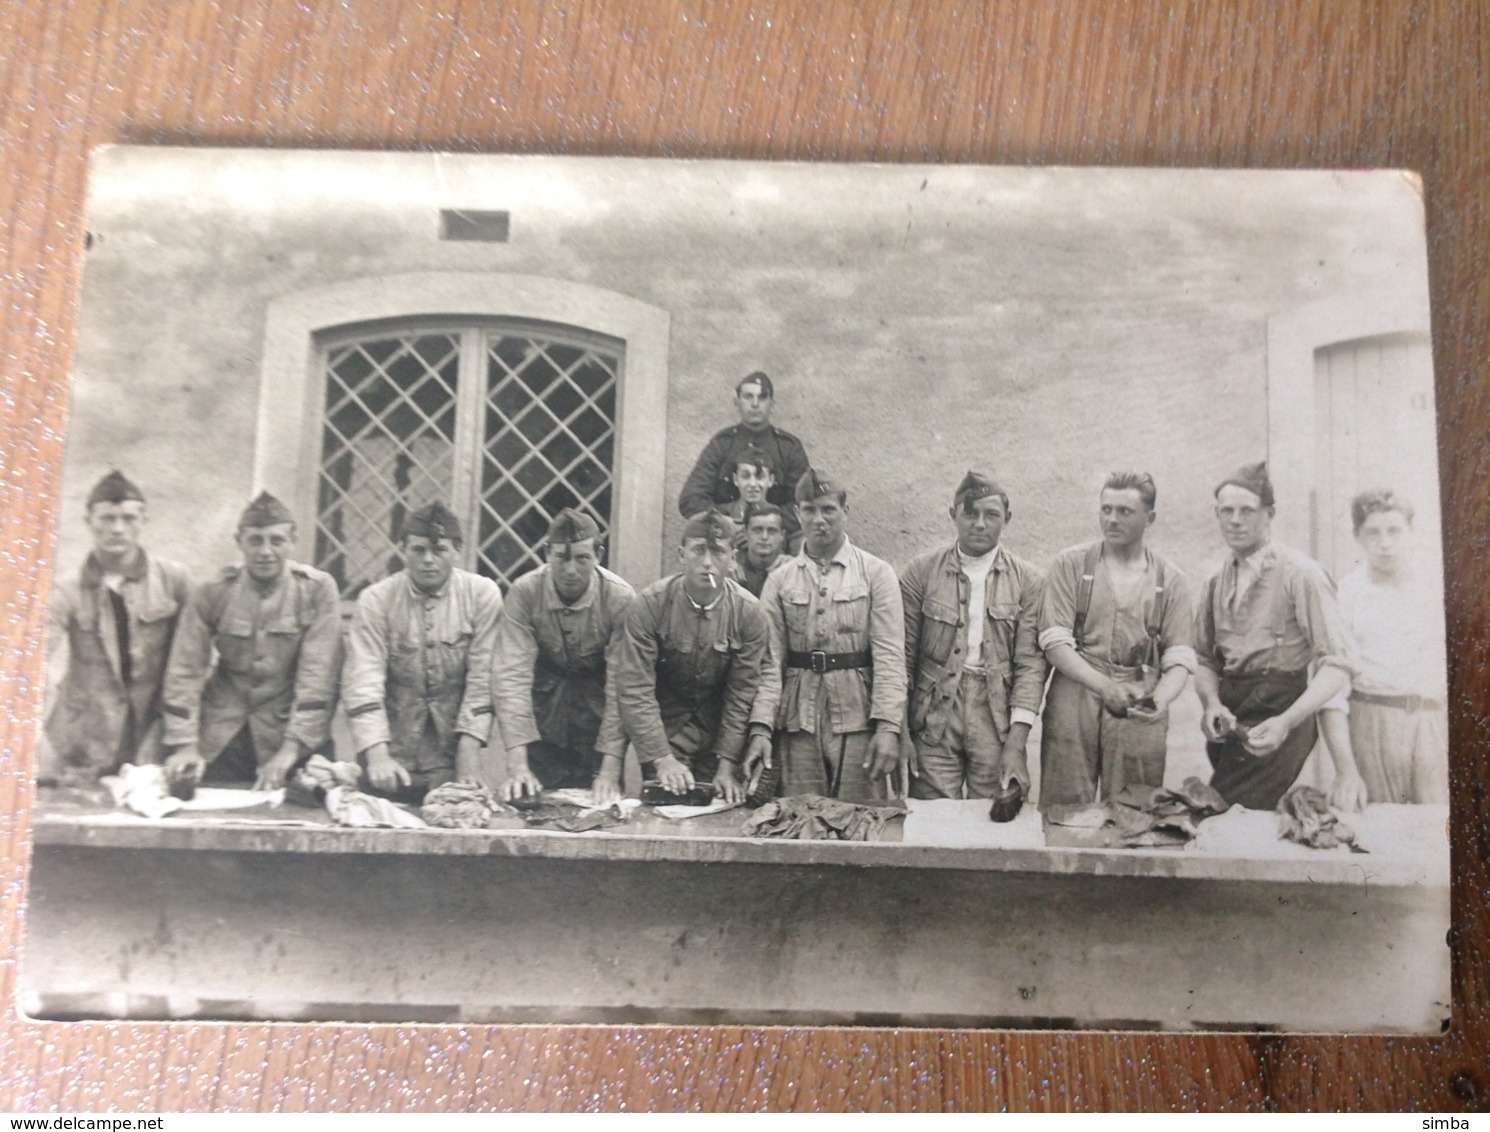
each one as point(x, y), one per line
point(828, 661)
point(1406, 703)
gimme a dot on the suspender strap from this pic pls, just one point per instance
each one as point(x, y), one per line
point(1089, 581)
point(1084, 591)
point(1156, 612)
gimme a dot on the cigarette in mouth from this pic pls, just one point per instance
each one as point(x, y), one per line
point(713, 585)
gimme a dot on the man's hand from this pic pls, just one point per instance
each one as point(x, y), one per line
point(673, 775)
point(1348, 791)
point(1148, 715)
point(1013, 764)
point(273, 773)
point(883, 755)
point(1116, 699)
point(186, 765)
point(1217, 721)
point(1267, 736)
point(607, 785)
point(728, 788)
point(383, 771)
point(522, 783)
point(757, 760)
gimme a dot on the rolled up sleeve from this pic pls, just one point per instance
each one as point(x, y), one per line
point(1057, 620)
point(1314, 606)
point(1207, 655)
point(1177, 624)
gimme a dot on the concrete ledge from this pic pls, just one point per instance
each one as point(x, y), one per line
point(1409, 844)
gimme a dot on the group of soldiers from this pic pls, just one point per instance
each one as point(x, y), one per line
point(778, 650)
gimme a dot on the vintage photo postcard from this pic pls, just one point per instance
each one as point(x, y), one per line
point(542, 589)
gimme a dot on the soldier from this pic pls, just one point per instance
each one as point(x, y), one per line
point(838, 700)
point(113, 625)
point(1265, 620)
point(972, 652)
point(754, 480)
point(690, 659)
point(1116, 624)
point(712, 482)
point(548, 671)
point(275, 626)
point(759, 552)
point(417, 682)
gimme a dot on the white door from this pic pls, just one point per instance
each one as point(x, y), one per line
point(1373, 428)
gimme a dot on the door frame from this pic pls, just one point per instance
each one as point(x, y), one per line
point(1294, 337)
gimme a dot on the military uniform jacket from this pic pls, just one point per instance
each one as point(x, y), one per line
point(278, 661)
point(711, 481)
point(935, 592)
point(548, 671)
point(851, 604)
point(686, 677)
point(415, 660)
point(98, 719)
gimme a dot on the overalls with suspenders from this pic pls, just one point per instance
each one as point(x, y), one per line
point(1087, 753)
point(1258, 782)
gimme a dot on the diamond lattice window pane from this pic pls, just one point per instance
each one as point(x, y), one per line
point(550, 432)
point(387, 447)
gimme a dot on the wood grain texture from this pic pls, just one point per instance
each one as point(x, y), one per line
point(1213, 82)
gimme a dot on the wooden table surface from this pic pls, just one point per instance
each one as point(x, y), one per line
point(1209, 83)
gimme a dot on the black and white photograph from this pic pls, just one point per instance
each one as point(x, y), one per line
point(605, 590)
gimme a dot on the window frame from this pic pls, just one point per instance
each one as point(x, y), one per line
point(297, 325)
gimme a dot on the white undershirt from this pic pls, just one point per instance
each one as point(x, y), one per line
point(976, 570)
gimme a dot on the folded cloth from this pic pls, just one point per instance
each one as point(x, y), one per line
point(811, 817)
point(352, 807)
point(462, 805)
point(1304, 815)
point(573, 811)
point(1141, 817)
point(308, 785)
point(144, 789)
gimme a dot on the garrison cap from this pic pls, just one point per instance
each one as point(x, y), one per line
point(265, 511)
point(814, 485)
point(757, 378)
point(571, 526)
point(1254, 478)
point(432, 521)
point(115, 488)
point(977, 485)
point(713, 525)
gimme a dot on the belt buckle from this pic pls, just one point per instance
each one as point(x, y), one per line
point(819, 661)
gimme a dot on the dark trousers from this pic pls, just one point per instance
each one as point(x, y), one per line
point(560, 768)
point(237, 763)
point(1247, 779)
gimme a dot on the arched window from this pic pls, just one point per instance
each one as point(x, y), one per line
point(527, 395)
